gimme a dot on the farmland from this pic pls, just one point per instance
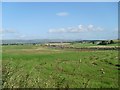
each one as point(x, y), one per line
point(35, 66)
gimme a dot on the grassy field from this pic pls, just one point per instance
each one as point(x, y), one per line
point(28, 66)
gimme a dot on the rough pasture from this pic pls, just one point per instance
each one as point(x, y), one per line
point(31, 66)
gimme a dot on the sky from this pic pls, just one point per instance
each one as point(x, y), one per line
point(59, 20)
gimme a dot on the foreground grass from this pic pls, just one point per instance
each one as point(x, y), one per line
point(40, 67)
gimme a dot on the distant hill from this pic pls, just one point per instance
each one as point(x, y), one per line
point(41, 41)
point(34, 41)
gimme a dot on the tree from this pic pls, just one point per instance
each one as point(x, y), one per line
point(93, 42)
point(111, 41)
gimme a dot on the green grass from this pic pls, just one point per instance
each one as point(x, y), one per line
point(40, 67)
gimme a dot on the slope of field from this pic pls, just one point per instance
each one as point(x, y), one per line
point(31, 66)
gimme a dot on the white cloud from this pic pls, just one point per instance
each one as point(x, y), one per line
point(80, 26)
point(91, 27)
point(57, 31)
point(76, 29)
point(6, 31)
point(62, 14)
point(99, 29)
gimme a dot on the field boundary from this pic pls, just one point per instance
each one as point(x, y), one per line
point(85, 48)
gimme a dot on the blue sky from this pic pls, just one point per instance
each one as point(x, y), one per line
point(65, 20)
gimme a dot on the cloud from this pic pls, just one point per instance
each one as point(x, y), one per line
point(6, 31)
point(12, 33)
point(99, 29)
point(76, 29)
point(90, 27)
point(93, 28)
point(60, 30)
point(62, 14)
